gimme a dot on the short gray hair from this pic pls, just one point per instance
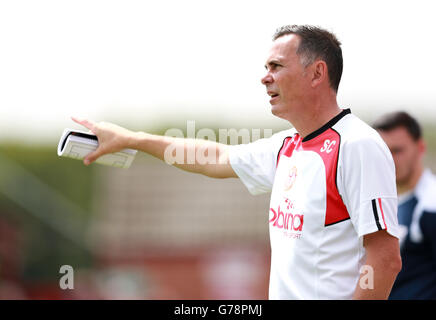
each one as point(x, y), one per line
point(317, 43)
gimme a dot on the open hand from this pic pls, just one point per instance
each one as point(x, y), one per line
point(111, 138)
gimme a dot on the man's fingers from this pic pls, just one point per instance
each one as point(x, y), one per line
point(89, 124)
point(91, 157)
point(92, 126)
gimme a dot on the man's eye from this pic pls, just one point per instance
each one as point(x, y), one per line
point(274, 66)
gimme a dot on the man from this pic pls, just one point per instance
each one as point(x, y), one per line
point(333, 201)
point(416, 209)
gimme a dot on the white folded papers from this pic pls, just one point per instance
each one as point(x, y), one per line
point(77, 144)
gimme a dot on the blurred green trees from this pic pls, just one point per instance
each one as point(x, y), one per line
point(48, 200)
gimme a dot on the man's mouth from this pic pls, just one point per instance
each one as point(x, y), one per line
point(274, 96)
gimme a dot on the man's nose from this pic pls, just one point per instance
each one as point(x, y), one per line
point(267, 79)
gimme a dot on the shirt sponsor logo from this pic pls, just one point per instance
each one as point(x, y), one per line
point(328, 146)
point(291, 223)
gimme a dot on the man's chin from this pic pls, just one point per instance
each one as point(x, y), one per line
point(276, 110)
point(281, 112)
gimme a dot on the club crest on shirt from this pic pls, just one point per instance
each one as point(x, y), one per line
point(328, 146)
point(290, 178)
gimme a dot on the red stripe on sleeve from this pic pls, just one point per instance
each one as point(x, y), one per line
point(383, 216)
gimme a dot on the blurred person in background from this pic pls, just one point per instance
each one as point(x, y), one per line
point(333, 202)
point(416, 187)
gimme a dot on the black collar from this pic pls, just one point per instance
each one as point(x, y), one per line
point(328, 125)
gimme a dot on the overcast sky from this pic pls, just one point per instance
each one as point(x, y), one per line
point(139, 63)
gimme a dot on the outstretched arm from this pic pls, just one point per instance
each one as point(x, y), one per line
point(199, 156)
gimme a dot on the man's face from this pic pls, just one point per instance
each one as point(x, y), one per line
point(407, 153)
point(286, 80)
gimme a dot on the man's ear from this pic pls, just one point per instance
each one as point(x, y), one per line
point(319, 73)
point(422, 147)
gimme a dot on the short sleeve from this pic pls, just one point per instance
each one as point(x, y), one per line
point(367, 186)
point(255, 163)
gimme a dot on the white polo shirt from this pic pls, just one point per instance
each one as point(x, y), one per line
point(327, 191)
